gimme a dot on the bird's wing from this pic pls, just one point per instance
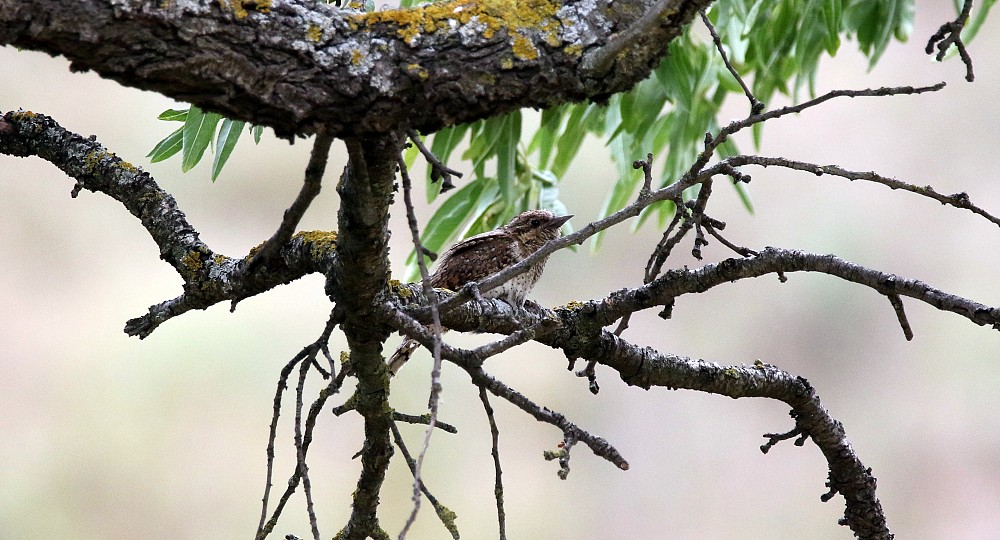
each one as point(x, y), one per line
point(474, 258)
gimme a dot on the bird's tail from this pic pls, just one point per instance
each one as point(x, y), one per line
point(402, 354)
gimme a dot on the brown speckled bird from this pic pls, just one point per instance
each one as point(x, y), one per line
point(480, 256)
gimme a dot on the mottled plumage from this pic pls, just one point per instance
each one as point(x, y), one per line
point(480, 256)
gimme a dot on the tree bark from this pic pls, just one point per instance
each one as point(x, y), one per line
point(296, 65)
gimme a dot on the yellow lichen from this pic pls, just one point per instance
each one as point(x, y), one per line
point(322, 242)
point(240, 7)
point(418, 70)
point(192, 261)
point(314, 33)
point(356, 57)
point(507, 63)
point(494, 15)
point(524, 49)
point(574, 49)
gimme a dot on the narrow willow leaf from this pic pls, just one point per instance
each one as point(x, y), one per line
point(569, 142)
point(506, 151)
point(545, 138)
point(972, 28)
point(229, 134)
point(410, 155)
point(167, 147)
point(176, 115)
point(257, 132)
point(199, 127)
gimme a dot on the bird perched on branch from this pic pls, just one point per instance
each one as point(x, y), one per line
point(480, 256)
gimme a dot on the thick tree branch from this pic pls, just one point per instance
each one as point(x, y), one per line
point(295, 65)
point(209, 277)
point(359, 275)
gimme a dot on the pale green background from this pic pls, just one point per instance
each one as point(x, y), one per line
point(106, 436)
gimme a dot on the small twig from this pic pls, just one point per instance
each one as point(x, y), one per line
point(300, 456)
point(756, 106)
point(741, 250)
point(306, 356)
point(293, 215)
point(562, 455)
point(958, 200)
point(597, 445)
point(439, 171)
point(423, 419)
point(897, 306)
point(775, 438)
point(498, 484)
point(446, 516)
point(647, 175)
point(950, 33)
point(436, 328)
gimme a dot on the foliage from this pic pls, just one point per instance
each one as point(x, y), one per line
point(775, 44)
point(197, 134)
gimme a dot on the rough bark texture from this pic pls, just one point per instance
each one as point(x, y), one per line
point(360, 274)
point(294, 65)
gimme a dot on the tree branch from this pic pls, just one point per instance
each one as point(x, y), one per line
point(312, 64)
point(359, 275)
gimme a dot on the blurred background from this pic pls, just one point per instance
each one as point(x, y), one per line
point(106, 436)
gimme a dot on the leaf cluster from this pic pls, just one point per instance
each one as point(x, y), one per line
point(776, 45)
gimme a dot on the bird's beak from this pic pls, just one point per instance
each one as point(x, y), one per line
point(559, 221)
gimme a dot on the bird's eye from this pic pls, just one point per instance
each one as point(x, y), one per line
point(535, 222)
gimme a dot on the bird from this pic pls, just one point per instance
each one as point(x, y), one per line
point(482, 255)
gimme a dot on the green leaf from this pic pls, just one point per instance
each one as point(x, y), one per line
point(569, 143)
point(506, 151)
point(167, 147)
point(410, 155)
point(545, 138)
point(972, 27)
point(257, 131)
point(229, 134)
point(174, 115)
point(199, 127)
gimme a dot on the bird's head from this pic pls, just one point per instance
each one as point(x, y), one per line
point(535, 227)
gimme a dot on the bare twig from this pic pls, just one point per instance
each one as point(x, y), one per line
point(439, 171)
point(306, 356)
point(775, 438)
point(958, 200)
point(301, 469)
point(950, 33)
point(446, 516)
point(310, 189)
point(436, 349)
point(596, 444)
point(756, 106)
point(424, 419)
point(498, 483)
point(897, 306)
